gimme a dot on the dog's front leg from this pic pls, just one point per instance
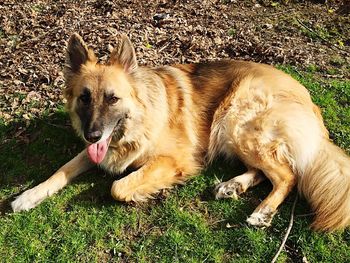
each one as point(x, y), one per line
point(159, 173)
point(32, 197)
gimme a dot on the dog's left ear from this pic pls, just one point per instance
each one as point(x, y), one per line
point(124, 55)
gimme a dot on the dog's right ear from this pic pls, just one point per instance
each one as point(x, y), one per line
point(77, 54)
point(124, 55)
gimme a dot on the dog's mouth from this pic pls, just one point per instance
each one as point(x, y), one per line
point(97, 151)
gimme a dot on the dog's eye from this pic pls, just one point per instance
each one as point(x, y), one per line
point(85, 98)
point(113, 100)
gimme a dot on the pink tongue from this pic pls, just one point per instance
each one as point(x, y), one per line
point(97, 151)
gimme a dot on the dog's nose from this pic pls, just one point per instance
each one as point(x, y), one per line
point(93, 136)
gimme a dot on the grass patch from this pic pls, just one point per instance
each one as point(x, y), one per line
point(83, 224)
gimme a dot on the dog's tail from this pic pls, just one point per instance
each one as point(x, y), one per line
point(325, 183)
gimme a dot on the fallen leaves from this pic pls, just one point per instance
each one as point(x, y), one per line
point(33, 38)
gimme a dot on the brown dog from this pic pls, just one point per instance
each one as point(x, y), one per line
point(168, 122)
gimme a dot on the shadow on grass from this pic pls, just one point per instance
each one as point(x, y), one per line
point(30, 154)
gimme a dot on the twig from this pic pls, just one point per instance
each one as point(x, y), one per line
point(288, 11)
point(334, 76)
point(164, 47)
point(36, 38)
point(217, 221)
point(322, 38)
point(58, 126)
point(288, 231)
point(303, 215)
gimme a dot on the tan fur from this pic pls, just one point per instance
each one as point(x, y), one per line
point(326, 185)
point(177, 119)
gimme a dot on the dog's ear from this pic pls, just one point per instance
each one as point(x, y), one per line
point(124, 55)
point(77, 54)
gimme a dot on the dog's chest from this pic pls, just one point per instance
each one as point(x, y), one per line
point(118, 159)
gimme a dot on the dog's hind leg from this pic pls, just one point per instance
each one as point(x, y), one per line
point(283, 181)
point(239, 184)
point(160, 173)
point(32, 197)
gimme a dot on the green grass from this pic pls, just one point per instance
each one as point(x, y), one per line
point(82, 222)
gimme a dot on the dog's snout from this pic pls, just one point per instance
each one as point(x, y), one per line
point(93, 136)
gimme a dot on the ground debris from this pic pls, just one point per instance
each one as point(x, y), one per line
point(33, 37)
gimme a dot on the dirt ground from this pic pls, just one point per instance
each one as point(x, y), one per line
point(311, 35)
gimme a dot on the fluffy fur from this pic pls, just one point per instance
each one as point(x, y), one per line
point(170, 121)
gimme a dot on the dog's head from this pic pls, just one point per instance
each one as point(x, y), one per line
point(100, 97)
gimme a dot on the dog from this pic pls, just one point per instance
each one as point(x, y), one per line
point(169, 122)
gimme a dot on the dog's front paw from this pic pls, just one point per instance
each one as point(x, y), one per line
point(228, 190)
point(262, 218)
point(120, 192)
point(28, 200)
point(124, 190)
